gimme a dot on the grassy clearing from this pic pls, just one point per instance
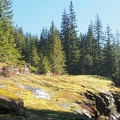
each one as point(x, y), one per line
point(65, 91)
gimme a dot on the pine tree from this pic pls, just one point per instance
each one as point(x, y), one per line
point(90, 50)
point(8, 51)
point(70, 41)
point(44, 65)
point(43, 42)
point(116, 54)
point(83, 40)
point(55, 51)
point(99, 38)
point(6, 11)
point(73, 64)
point(19, 39)
point(108, 58)
point(31, 54)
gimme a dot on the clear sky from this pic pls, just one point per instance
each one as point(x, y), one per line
point(33, 15)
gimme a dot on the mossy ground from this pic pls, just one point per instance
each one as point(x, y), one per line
point(64, 90)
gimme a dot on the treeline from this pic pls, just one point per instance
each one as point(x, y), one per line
point(96, 52)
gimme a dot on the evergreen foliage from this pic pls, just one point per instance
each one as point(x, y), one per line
point(8, 51)
point(55, 51)
point(99, 38)
point(108, 58)
point(95, 52)
point(70, 41)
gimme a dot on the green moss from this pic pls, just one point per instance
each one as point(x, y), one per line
point(62, 89)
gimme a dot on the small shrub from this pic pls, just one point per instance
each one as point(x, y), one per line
point(33, 69)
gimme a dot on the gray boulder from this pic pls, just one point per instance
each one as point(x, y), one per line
point(40, 93)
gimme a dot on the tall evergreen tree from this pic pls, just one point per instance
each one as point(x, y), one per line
point(6, 10)
point(31, 54)
point(116, 53)
point(90, 50)
point(83, 40)
point(55, 51)
point(43, 42)
point(19, 39)
point(8, 51)
point(108, 58)
point(70, 41)
point(99, 38)
point(74, 55)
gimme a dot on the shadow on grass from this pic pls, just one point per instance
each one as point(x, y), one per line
point(32, 114)
point(9, 111)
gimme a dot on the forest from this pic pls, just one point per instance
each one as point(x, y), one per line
point(63, 51)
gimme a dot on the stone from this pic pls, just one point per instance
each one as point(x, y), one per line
point(21, 86)
point(8, 105)
point(66, 106)
point(78, 111)
point(1, 71)
point(85, 112)
point(2, 86)
point(40, 93)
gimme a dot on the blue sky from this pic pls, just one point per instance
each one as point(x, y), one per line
point(33, 15)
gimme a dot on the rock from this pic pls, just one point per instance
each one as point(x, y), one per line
point(21, 86)
point(25, 70)
point(85, 112)
point(8, 105)
point(1, 70)
point(40, 93)
point(66, 106)
point(7, 71)
point(2, 86)
point(48, 73)
point(78, 111)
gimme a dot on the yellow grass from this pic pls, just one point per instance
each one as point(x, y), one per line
point(62, 89)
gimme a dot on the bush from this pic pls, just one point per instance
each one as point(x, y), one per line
point(33, 69)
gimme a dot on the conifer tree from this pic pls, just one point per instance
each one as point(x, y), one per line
point(108, 58)
point(99, 39)
point(31, 54)
point(55, 51)
point(19, 40)
point(116, 54)
point(43, 42)
point(8, 51)
point(83, 40)
point(70, 41)
point(74, 55)
point(90, 50)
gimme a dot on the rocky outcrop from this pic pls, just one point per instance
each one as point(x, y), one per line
point(8, 106)
point(8, 71)
point(39, 93)
point(103, 105)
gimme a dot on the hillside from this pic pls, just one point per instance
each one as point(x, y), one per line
point(58, 98)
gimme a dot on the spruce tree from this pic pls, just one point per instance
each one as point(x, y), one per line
point(83, 40)
point(108, 58)
point(55, 51)
point(19, 39)
point(73, 64)
point(8, 51)
point(43, 42)
point(116, 54)
point(70, 41)
point(90, 50)
point(99, 39)
point(32, 51)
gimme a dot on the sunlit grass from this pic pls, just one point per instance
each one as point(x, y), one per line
point(62, 89)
